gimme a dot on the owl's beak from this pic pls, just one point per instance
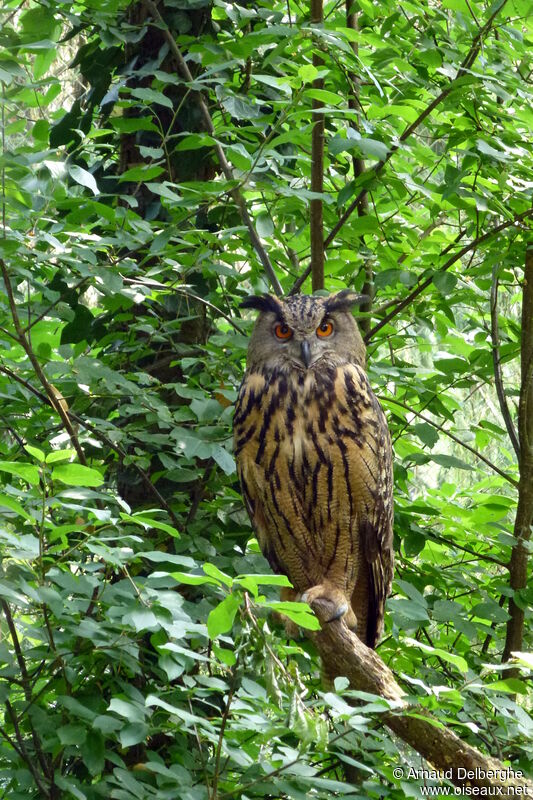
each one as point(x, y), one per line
point(306, 353)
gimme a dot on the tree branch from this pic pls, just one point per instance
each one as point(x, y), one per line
point(524, 511)
point(354, 103)
point(221, 156)
point(454, 438)
point(460, 253)
point(29, 761)
point(344, 654)
point(495, 336)
point(153, 490)
point(316, 222)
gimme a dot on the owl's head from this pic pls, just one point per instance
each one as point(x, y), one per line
point(305, 332)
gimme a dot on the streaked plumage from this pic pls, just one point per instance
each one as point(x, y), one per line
point(314, 456)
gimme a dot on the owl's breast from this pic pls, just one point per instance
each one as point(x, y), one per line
point(297, 418)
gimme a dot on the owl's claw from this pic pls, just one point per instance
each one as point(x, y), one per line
point(329, 595)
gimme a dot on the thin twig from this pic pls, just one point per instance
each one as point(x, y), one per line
point(224, 722)
point(463, 69)
point(316, 221)
point(29, 761)
point(456, 439)
point(103, 438)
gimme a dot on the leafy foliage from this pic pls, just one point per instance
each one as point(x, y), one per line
point(139, 656)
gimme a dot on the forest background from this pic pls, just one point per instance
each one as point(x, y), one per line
point(159, 162)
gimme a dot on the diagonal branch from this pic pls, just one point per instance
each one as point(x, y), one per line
point(454, 438)
point(378, 168)
point(344, 654)
point(153, 490)
point(224, 163)
point(461, 72)
point(54, 398)
point(496, 360)
point(460, 253)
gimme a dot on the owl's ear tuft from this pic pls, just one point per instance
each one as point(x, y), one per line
point(345, 300)
point(262, 302)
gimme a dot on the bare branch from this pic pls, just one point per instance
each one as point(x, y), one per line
point(495, 336)
point(344, 654)
point(454, 438)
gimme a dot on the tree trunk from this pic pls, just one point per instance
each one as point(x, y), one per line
point(524, 511)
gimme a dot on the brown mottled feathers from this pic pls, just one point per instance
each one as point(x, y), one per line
point(314, 459)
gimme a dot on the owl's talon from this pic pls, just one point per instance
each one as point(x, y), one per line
point(340, 612)
point(327, 596)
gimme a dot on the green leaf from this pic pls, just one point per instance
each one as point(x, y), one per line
point(141, 619)
point(220, 619)
point(307, 73)
point(224, 459)
point(450, 461)
point(35, 452)
point(426, 433)
point(131, 735)
point(125, 708)
point(146, 521)
point(141, 174)
point(264, 225)
point(445, 282)
point(510, 685)
point(72, 734)
point(8, 502)
point(214, 572)
point(152, 96)
point(27, 472)
point(93, 752)
point(194, 141)
point(193, 580)
point(300, 613)
point(60, 455)
point(444, 655)
point(77, 475)
point(83, 177)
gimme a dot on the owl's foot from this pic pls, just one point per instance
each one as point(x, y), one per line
point(334, 598)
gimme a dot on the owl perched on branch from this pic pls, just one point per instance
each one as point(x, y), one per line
point(314, 457)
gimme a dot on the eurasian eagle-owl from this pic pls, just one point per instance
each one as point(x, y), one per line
point(314, 457)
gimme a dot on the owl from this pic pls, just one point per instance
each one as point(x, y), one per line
point(314, 457)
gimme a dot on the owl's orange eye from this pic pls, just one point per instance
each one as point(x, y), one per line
point(324, 329)
point(283, 331)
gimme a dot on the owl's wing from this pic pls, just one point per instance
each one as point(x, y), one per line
point(372, 485)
